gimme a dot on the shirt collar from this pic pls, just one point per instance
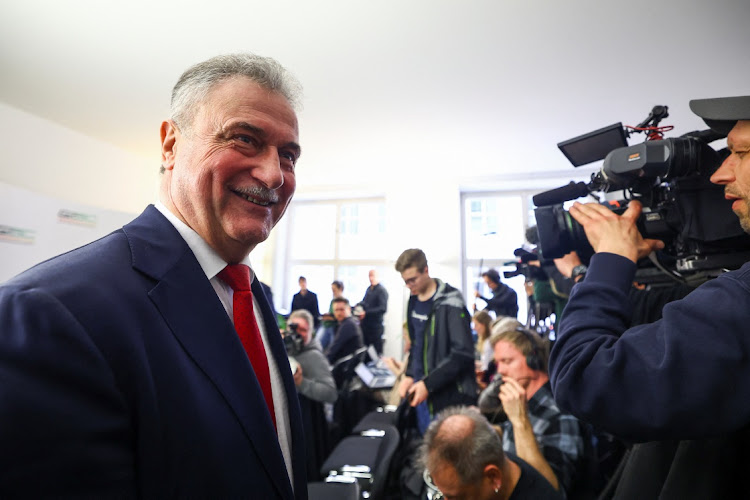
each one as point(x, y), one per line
point(207, 257)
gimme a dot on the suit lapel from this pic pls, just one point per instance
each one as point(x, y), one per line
point(295, 415)
point(194, 313)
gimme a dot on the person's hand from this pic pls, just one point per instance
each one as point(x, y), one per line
point(418, 393)
point(609, 232)
point(298, 376)
point(476, 293)
point(392, 364)
point(404, 386)
point(567, 262)
point(513, 397)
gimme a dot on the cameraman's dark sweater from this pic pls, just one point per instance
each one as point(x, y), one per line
point(686, 376)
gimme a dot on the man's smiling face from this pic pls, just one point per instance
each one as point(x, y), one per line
point(230, 173)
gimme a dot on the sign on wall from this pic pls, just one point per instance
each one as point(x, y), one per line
point(34, 227)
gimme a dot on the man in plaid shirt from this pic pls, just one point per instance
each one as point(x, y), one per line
point(536, 430)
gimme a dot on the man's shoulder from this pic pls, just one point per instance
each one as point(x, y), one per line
point(543, 405)
point(448, 296)
point(531, 484)
point(350, 323)
point(741, 275)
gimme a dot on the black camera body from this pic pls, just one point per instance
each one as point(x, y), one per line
point(523, 268)
point(293, 341)
point(681, 207)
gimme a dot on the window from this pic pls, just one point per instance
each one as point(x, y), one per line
point(333, 240)
point(494, 226)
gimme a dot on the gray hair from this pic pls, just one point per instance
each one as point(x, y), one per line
point(501, 325)
point(197, 81)
point(307, 316)
point(468, 448)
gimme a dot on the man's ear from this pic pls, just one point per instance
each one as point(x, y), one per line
point(494, 475)
point(168, 134)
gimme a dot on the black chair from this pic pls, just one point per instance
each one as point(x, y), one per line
point(382, 416)
point(366, 457)
point(338, 487)
point(343, 368)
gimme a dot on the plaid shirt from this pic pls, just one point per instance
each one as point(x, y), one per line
point(558, 435)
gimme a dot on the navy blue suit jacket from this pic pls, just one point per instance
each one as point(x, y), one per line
point(121, 375)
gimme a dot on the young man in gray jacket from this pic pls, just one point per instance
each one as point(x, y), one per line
point(440, 372)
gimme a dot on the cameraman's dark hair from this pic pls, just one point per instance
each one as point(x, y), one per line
point(413, 257)
point(468, 446)
point(492, 275)
point(338, 284)
point(341, 299)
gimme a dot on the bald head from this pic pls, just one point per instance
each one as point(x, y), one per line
point(463, 438)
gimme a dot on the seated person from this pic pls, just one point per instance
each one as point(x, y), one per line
point(328, 320)
point(348, 335)
point(463, 455)
point(481, 322)
point(315, 386)
point(313, 375)
point(536, 430)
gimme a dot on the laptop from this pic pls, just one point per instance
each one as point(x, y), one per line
point(374, 377)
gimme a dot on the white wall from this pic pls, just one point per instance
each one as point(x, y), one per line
point(35, 227)
point(54, 161)
point(49, 159)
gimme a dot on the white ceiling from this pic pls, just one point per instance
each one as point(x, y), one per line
point(395, 90)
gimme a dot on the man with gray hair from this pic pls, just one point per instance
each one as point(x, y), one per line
point(463, 455)
point(148, 363)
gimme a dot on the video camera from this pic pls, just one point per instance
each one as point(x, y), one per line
point(670, 177)
point(293, 341)
point(529, 271)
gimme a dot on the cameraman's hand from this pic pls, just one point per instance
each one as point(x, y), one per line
point(567, 262)
point(298, 376)
point(609, 232)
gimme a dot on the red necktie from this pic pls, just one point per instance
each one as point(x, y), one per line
point(237, 276)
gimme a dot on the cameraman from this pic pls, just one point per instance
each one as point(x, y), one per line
point(315, 386)
point(313, 375)
point(687, 375)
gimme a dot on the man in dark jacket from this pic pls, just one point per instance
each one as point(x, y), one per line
point(307, 300)
point(348, 336)
point(440, 372)
point(373, 307)
point(504, 300)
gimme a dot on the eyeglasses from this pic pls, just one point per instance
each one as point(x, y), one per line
point(411, 281)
